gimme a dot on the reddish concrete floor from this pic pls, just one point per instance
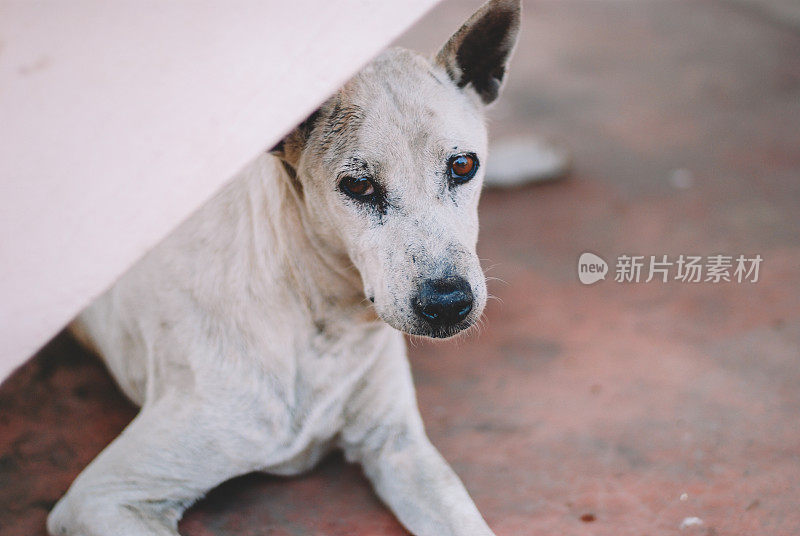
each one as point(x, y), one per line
point(616, 409)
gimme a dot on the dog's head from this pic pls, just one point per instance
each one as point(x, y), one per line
point(390, 171)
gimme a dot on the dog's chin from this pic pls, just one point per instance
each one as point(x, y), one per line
point(424, 329)
point(444, 332)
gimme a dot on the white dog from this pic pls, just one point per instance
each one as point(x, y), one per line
point(266, 330)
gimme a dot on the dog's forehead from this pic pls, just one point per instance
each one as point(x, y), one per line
point(403, 99)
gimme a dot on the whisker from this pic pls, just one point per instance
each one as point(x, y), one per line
point(491, 267)
point(497, 298)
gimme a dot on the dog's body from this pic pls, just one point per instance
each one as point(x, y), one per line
point(255, 337)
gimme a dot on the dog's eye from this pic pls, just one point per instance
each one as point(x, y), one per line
point(357, 187)
point(462, 167)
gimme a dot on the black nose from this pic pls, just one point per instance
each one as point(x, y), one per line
point(444, 302)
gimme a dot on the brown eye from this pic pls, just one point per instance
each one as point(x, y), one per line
point(357, 187)
point(463, 167)
point(463, 164)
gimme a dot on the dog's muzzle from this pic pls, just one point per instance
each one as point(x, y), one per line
point(443, 303)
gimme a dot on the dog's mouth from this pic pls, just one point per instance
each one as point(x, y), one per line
point(412, 324)
point(420, 326)
point(444, 332)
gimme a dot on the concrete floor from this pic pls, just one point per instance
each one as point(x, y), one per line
point(612, 409)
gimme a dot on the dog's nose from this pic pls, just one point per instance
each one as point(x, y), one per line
point(444, 302)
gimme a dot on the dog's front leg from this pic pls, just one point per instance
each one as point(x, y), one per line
point(172, 453)
point(415, 481)
point(386, 435)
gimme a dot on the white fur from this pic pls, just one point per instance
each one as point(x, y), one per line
point(247, 336)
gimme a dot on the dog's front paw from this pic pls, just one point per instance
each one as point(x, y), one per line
point(81, 515)
point(65, 520)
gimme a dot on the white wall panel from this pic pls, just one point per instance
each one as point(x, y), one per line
point(119, 118)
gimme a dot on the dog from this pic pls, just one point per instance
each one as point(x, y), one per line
point(268, 328)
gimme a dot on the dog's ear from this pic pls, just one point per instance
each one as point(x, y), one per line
point(478, 53)
point(292, 145)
